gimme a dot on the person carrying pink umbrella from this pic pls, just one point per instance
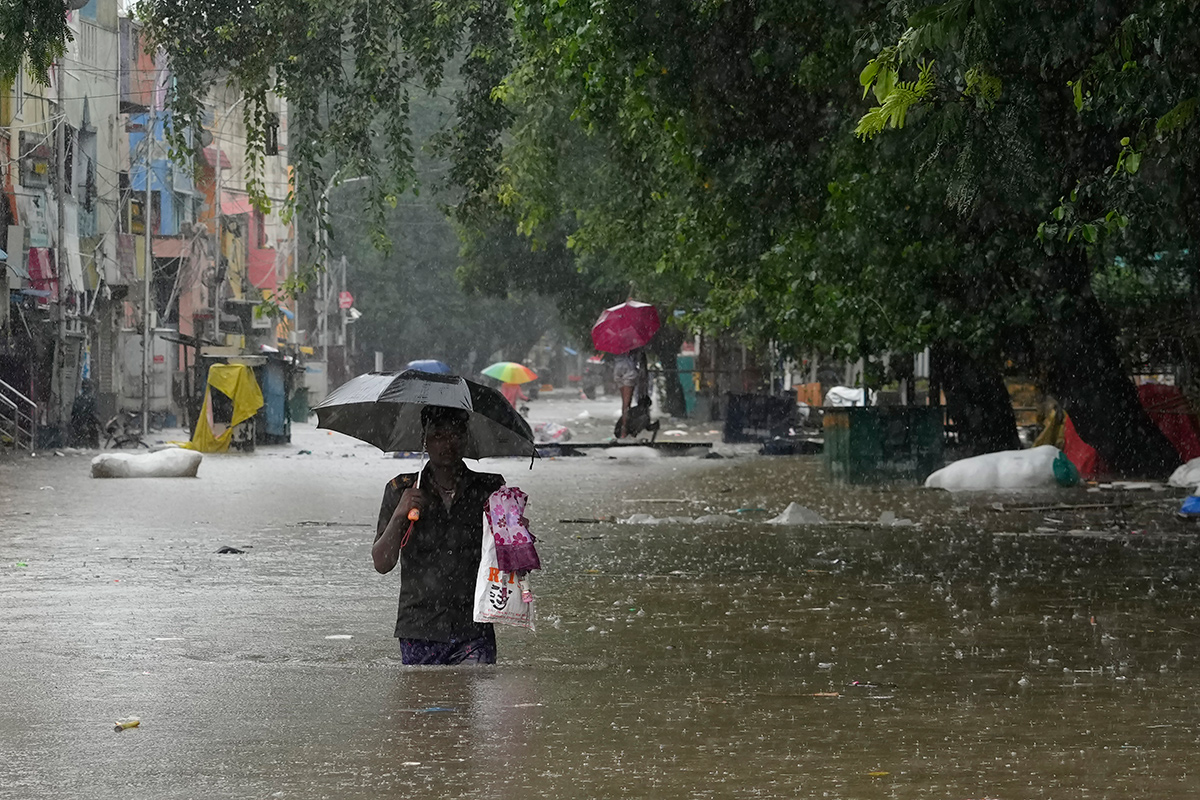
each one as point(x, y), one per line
point(623, 330)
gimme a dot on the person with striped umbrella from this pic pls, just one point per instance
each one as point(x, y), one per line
point(511, 375)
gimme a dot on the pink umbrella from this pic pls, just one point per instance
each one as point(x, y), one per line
point(625, 327)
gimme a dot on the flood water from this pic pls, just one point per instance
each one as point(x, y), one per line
point(975, 654)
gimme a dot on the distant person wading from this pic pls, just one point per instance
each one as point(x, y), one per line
point(632, 376)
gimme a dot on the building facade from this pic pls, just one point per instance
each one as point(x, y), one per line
point(122, 265)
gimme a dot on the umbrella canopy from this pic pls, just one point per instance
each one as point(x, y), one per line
point(384, 409)
point(510, 372)
point(625, 327)
point(430, 365)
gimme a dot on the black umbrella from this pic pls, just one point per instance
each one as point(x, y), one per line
point(384, 409)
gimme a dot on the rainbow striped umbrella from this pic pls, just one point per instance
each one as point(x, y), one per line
point(510, 372)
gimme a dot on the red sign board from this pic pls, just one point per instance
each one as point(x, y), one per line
point(345, 300)
point(160, 359)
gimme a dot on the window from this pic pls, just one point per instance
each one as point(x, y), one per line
point(35, 159)
point(271, 135)
point(125, 222)
point(19, 94)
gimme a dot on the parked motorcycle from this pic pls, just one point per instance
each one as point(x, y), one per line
point(124, 430)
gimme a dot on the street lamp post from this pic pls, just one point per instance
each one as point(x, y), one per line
point(325, 285)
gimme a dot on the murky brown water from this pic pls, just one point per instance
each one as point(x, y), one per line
point(970, 656)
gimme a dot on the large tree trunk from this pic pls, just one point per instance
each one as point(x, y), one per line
point(665, 346)
point(1087, 376)
point(976, 399)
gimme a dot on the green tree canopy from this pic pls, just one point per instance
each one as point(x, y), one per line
point(35, 30)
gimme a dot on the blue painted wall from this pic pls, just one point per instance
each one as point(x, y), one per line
point(169, 181)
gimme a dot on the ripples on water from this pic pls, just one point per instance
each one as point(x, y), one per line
point(969, 656)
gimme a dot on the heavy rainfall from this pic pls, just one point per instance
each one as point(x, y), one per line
point(539, 398)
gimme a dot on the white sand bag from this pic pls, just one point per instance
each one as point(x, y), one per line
point(1187, 476)
point(173, 463)
point(1008, 469)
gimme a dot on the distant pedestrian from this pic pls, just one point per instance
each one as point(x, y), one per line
point(632, 376)
point(513, 392)
point(85, 425)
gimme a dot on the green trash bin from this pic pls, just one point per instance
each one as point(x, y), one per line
point(879, 444)
point(298, 407)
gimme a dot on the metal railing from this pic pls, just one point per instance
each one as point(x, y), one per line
point(18, 419)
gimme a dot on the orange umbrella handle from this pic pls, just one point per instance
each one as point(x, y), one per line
point(414, 514)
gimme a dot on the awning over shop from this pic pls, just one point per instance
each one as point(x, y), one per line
point(234, 204)
point(18, 269)
point(210, 155)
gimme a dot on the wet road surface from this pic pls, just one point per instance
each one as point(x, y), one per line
point(979, 653)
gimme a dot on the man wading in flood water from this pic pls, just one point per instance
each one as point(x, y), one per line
point(440, 556)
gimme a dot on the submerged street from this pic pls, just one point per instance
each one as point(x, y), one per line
point(975, 653)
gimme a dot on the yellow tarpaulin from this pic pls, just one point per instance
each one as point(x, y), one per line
point(236, 381)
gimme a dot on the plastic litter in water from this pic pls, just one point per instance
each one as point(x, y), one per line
point(126, 723)
point(339, 636)
point(714, 519)
point(888, 518)
point(796, 514)
point(1190, 509)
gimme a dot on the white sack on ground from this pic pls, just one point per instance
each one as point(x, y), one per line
point(173, 463)
point(1187, 476)
point(1008, 469)
point(796, 514)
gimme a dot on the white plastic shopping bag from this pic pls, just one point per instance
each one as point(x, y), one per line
point(497, 596)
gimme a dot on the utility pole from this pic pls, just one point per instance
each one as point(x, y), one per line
point(322, 290)
point(147, 273)
point(324, 299)
point(60, 257)
point(326, 285)
point(219, 221)
point(345, 341)
point(217, 248)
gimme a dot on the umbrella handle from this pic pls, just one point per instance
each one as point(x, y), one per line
point(414, 514)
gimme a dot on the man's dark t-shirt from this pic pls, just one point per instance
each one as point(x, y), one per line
point(439, 564)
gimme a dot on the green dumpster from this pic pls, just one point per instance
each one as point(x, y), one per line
point(879, 444)
point(298, 406)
